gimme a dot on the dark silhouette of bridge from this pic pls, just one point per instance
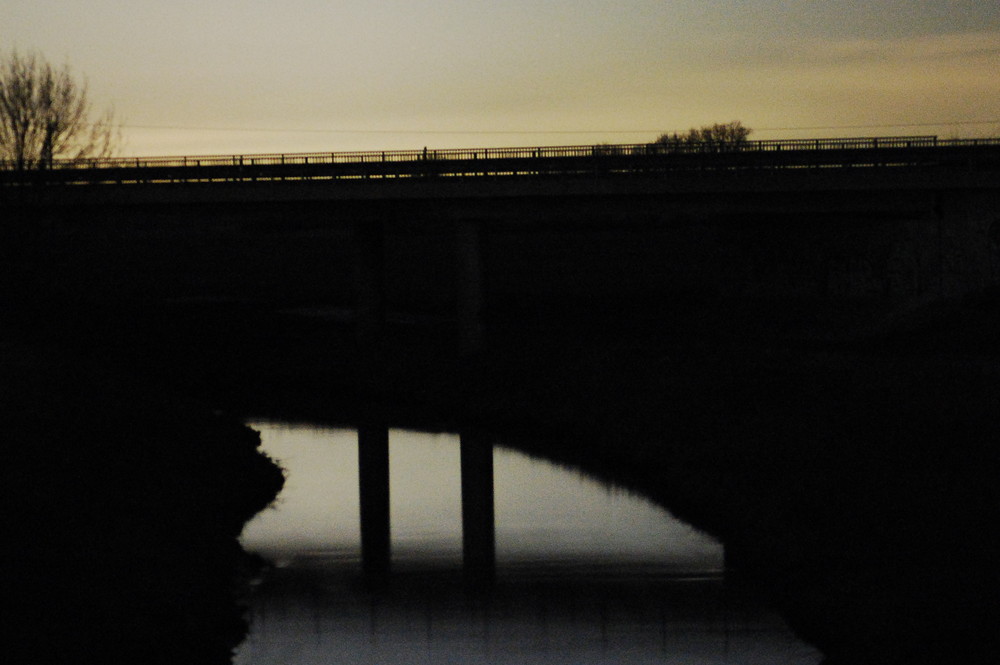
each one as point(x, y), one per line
point(890, 221)
point(897, 217)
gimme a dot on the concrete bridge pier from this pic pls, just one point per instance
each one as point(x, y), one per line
point(478, 528)
point(369, 241)
point(470, 286)
point(371, 288)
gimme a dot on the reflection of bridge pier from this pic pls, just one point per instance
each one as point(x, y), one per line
point(373, 482)
point(478, 523)
point(478, 526)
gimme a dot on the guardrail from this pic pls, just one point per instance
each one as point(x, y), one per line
point(645, 157)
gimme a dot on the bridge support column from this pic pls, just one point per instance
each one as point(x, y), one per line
point(469, 248)
point(373, 480)
point(369, 238)
point(478, 520)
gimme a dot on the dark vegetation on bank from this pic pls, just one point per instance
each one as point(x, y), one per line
point(122, 508)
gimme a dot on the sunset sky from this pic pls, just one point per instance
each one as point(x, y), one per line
point(229, 76)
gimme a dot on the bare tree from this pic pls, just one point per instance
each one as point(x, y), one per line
point(724, 136)
point(45, 115)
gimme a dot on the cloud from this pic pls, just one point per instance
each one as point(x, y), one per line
point(971, 49)
point(979, 50)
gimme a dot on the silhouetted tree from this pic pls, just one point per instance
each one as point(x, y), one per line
point(726, 136)
point(45, 115)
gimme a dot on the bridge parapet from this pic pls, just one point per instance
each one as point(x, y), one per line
point(643, 158)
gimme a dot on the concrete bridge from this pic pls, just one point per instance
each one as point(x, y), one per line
point(881, 221)
point(851, 229)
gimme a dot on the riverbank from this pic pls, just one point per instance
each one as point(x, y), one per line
point(853, 483)
point(123, 507)
point(857, 493)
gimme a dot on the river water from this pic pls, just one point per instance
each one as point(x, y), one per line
point(586, 573)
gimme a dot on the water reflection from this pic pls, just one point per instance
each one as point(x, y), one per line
point(585, 573)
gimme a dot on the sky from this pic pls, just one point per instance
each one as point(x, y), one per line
point(251, 76)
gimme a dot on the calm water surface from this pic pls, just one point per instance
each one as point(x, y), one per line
point(585, 573)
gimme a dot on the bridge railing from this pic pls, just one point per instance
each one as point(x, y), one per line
point(485, 161)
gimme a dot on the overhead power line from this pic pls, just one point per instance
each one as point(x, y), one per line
point(382, 131)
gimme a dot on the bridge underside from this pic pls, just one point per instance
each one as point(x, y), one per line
point(834, 249)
